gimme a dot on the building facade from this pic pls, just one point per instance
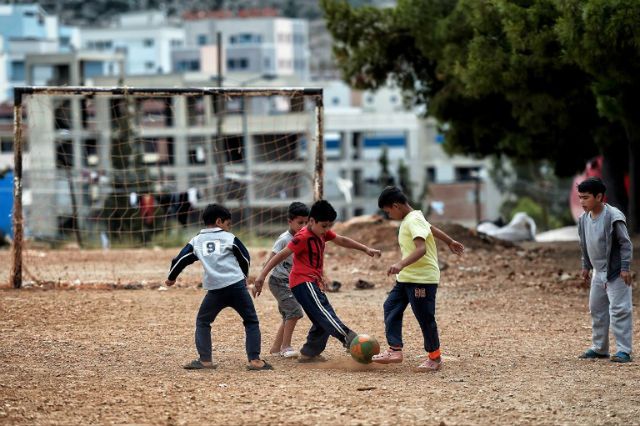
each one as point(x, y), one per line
point(258, 43)
point(145, 38)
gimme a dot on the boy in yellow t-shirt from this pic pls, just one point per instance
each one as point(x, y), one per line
point(417, 279)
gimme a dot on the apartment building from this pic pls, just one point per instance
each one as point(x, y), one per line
point(145, 38)
point(256, 41)
point(28, 30)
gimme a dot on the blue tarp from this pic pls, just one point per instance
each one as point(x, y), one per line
point(6, 203)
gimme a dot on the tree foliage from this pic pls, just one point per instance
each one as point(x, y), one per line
point(493, 70)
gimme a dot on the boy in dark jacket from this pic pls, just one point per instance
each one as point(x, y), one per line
point(226, 265)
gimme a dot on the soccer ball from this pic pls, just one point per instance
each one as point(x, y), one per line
point(363, 347)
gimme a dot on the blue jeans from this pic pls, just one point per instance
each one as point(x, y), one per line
point(422, 298)
point(235, 296)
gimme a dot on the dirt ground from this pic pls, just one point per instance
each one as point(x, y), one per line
point(511, 320)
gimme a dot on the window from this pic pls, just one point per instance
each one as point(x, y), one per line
point(64, 154)
point(100, 44)
point(176, 43)
point(148, 42)
point(244, 38)
point(17, 71)
point(149, 65)
point(335, 100)
point(432, 174)
point(188, 65)
point(197, 150)
point(64, 41)
point(238, 63)
point(466, 173)
point(6, 145)
point(202, 39)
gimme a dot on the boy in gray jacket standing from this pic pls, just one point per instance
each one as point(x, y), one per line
point(607, 251)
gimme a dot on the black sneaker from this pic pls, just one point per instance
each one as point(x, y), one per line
point(304, 359)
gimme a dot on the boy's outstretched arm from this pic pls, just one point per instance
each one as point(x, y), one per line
point(455, 246)
point(185, 258)
point(347, 242)
point(273, 261)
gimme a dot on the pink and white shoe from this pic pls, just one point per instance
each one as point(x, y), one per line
point(388, 357)
point(430, 365)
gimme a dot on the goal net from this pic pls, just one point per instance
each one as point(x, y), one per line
point(121, 168)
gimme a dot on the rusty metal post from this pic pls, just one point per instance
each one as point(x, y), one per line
point(15, 278)
point(318, 177)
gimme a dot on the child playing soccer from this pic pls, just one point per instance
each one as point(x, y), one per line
point(607, 250)
point(306, 280)
point(226, 265)
point(289, 308)
point(417, 279)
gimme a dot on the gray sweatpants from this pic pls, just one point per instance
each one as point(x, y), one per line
point(610, 305)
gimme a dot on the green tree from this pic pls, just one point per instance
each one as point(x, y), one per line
point(603, 38)
point(493, 70)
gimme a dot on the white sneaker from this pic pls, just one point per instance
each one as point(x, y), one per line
point(289, 353)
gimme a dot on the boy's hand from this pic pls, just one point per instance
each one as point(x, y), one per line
point(394, 269)
point(169, 282)
point(585, 275)
point(626, 277)
point(373, 252)
point(456, 247)
point(256, 289)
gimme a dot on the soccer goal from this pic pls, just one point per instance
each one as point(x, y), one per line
point(124, 167)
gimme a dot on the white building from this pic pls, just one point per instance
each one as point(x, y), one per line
point(266, 45)
point(146, 38)
point(360, 125)
point(26, 30)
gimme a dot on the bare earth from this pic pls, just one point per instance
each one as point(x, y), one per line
point(512, 321)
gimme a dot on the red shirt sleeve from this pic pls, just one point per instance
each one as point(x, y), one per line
point(296, 245)
point(330, 235)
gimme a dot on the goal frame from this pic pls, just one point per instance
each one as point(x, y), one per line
point(15, 274)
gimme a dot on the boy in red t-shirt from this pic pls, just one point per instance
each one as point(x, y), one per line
point(306, 280)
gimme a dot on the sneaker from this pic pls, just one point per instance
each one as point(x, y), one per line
point(621, 357)
point(388, 357)
point(430, 365)
point(591, 354)
point(310, 359)
point(196, 364)
point(289, 353)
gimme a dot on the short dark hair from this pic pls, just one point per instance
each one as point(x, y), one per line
point(593, 186)
point(297, 209)
point(390, 195)
point(214, 212)
point(322, 211)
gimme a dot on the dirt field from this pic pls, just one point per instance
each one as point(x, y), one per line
point(512, 321)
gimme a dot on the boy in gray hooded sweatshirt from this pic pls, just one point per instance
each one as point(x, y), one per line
point(607, 251)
